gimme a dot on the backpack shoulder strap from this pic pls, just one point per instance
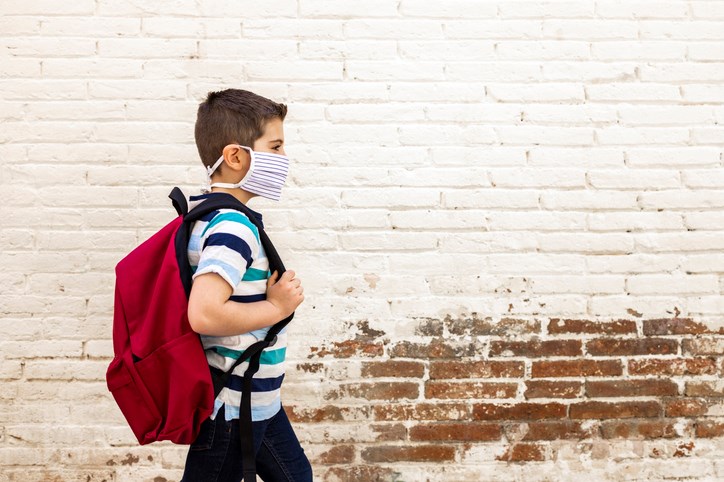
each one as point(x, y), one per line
point(227, 201)
point(179, 201)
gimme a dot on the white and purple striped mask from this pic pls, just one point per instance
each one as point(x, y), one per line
point(266, 176)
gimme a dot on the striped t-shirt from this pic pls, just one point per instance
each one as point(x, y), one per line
point(227, 243)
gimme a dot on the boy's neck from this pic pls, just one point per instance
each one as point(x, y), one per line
point(240, 194)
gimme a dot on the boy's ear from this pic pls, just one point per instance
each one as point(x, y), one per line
point(236, 158)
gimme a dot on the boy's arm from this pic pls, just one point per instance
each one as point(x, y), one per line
point(211, 312)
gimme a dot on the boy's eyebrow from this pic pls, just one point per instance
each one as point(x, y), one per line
point(276, 140)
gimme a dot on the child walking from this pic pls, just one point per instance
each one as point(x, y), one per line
point(234, 298)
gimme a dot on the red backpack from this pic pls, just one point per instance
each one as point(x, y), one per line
point(159, 375)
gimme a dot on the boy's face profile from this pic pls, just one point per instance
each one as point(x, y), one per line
point(273, 138)
point(271, 141)
point(237, 160)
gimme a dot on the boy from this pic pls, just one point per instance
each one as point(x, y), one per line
point(234, 299)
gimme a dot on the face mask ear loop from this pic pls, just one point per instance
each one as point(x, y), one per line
point(206, 187)
point(252, 163)
point(210, 169)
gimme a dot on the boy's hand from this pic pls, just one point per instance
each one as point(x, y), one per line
point(286, 293)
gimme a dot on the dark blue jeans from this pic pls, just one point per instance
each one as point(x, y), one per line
point(215, 455)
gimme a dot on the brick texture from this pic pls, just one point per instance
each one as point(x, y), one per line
point(507, 215)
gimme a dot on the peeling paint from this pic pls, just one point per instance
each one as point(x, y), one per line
point(364, 343)
point(429, 327)
point(371, 279)
point(684, 449)
point(310, 367)
point(130, 459)
point(365, 330)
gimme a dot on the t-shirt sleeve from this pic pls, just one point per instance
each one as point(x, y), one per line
point(228, 246)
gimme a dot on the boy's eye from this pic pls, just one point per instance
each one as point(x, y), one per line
point(276, 148)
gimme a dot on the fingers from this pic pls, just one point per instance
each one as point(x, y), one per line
point(289, 277)
point(288, 281)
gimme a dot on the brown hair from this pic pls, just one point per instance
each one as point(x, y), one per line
point(229, 117)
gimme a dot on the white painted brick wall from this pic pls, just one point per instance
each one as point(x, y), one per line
point(438, 147)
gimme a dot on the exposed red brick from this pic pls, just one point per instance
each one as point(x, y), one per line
point(487, 327)
point(677, 366)
point(524, 452)
point(470, 390)
point(705, 389)
point(389, 432)
point(422, 411)
point(606, 410)
point(676, 326)
point(646, 429)
point(356, 473)
point(461, 432)
point(476, 369)
point(327, 413)
point(437, 348)
point(704, 346)
point(684, 449)
point(348, 349)
point(630, 388)
point(552, 389)
point(625, 347)
point(536, 348)
point(576, 368)
point(341, 454)
point(686, 407)
point(710, 428)
point(393, 368)
point(553, 430)
point(375, 391)
point(518, 411)
point(420, 453)
point(619, 327)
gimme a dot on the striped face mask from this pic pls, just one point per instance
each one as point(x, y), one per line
point(266, 176)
